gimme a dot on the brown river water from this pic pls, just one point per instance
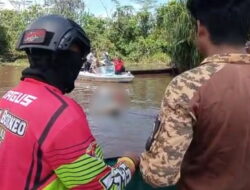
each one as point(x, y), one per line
point(129, 131)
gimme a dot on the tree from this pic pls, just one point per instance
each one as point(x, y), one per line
point(97, 30)
point(4, 45)
point(146, 4)
point(176, 27)
point(123, 29)
point(137, 36)
point(145, 23)
point(73, 9)
point(116, 2)
point(21, 4)
point(15, 22)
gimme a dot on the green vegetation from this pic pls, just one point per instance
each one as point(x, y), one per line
point(149, 38)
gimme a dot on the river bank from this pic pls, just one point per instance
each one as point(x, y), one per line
point(144, 65)
point(17, 63)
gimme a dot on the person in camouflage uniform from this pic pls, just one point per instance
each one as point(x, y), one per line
point(201, 139)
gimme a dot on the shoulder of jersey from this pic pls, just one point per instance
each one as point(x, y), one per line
point(73, 106)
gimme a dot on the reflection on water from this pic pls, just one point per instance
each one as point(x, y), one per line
point(127, 132)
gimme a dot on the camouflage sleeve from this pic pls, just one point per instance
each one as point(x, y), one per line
point(160, 165)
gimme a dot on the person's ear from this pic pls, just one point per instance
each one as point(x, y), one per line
point(75, 48)
point(203, 41)
point(202, 31)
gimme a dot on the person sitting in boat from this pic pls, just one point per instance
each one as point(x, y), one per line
point(45, 139)
point(119, 66)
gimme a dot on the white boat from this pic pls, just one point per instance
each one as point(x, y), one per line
point(124, 77)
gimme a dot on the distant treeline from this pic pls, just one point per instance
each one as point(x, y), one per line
point(160, 35)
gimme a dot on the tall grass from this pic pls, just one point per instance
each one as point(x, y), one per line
point(181, 34)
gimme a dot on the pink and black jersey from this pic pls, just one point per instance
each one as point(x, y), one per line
point(45, 143)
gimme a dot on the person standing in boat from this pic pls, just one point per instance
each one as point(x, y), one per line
point(90, 62)
point(201, 139)
point(87, 64)
point(108, 66)
point(94, 63)
point(45, 140)
point(106, 59)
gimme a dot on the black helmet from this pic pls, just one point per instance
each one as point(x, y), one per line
point(53, 33)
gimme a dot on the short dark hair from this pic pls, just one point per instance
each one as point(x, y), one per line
point(228, 21)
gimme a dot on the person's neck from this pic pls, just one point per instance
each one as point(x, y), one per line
point(225, 49)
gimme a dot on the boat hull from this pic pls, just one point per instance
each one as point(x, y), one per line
point(127, 77)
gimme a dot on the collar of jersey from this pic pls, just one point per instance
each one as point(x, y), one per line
point(228, 58)
point(35, 81)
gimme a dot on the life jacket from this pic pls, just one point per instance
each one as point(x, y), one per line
point(119, 64)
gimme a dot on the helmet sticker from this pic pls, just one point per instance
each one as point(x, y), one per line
point(34, 36)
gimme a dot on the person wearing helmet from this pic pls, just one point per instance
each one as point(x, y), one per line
point(45, 140)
